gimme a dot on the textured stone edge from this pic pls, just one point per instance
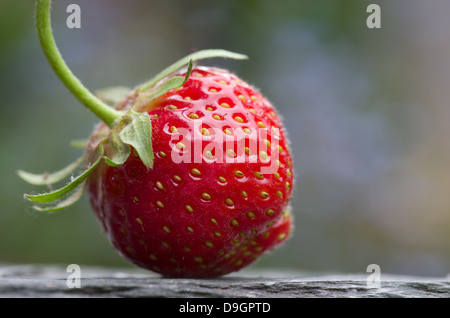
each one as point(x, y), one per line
point(51, 281)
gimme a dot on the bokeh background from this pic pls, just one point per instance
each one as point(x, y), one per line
point(367, 112)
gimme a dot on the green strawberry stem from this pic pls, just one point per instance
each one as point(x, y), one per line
point(43, 24)
point(131, 128)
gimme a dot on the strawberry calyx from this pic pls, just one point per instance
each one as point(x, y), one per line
point(126, 127)
point(67, 195)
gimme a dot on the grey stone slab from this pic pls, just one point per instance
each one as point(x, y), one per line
point(50, 281)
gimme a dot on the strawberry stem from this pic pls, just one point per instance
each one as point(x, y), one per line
point(43, 24)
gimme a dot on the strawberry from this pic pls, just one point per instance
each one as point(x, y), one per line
point(199, 219)
point(189, 174)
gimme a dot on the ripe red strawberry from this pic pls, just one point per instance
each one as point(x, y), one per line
point(207, 218)
point(196, 177)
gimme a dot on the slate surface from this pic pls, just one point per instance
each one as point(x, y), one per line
point(50, 281)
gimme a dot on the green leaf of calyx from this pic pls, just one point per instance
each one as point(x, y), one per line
point(116, 151)
point(112, 95)
point(54, 196)
point(79, 143)
point(138, 134)
point(50, 178)
point(199, 55)
point(171, 83)
point(68, 200)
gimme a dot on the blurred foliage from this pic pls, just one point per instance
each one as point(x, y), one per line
point(366, 111)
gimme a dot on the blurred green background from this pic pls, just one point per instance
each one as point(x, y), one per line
point(366, 109)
